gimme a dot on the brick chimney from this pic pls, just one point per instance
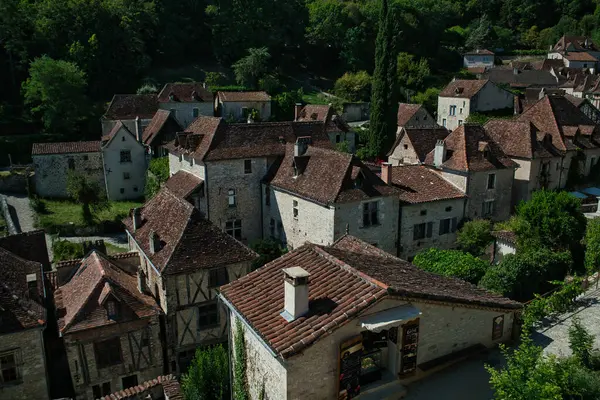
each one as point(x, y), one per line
point(386, 173)
point(136, 217)
point(297, 109)
point(295, 292)
point(439, 154)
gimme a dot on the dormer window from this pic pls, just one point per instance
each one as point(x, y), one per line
point(112, 309)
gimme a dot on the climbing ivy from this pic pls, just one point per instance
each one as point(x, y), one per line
point(240, 387)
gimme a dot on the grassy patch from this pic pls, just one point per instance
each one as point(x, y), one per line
point(315, 97)
point(66, 212)
point(112, 249)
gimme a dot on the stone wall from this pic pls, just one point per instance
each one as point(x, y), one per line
point(29, 348)
point(233, 109)
point(463, 109)
point(492, 97)
point(184, 111)
point(354, 112)
point(501, 194)
point(14, 183)
point(51, 172)
point(401, 155)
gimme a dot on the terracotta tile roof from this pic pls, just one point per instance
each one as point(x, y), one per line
point(580, 56)
point(343, 283)
point(327, 177)
point(129, 106)
point(467, 147)
point(118, 126)
point(18, 309)
point(187, 241)
point(549, 64)
point(191, 92)
point(576, 43)
point(169, 383)
point(463, 88)
point(162, 121)
point(479, 52)
point(520, 139)
point(506, 236)
point(197, 138)
point(523, 78)
point(420, 184)
point(28, 245)
point(423, 140)
point(182, 183)
point(243, 96)
point(65, 148)
point(315, 112)
point(79, 302)
point(476, 70)
point(355, 245)
point(406, 112)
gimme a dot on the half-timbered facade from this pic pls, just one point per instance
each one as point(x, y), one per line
point(110, 327)
point(184, 259)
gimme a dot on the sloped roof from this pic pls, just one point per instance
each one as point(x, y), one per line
point(162, 121)
point(423, 140)
point(406, 112)
point(328, 176)
point(197, 138)
point(521, 139)
point(463, 88)
point(118, 126)
point(243, 96)
point(523, 78)
point(467, 147)
point(580, 56)
point(420, 184)
point(28, 245)
point(187, 241)
point(189, 92)
point(65, 148)
point(574, 43)
point(129, 106)
point(183, 183)
point(314, 112)
point(480, 52)
point(345, 280)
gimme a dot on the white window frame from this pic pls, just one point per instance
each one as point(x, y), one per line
point(231, 198)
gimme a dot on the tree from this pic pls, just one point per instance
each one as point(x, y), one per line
point(384, 99)
point(592, 246)
point(55, 90)
point(353, 86)
point(147, 88)
point(581, 341)
point(453, 263)
point(480, 35)
point(411, 73)
point(429, 98)
point(207, 377)
point(88, 193)
point(268, 250)
point(284, 103)
point(475, 236)
point(249, 69)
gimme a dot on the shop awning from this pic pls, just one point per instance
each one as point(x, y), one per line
point(594, 191)
point(389, 318)
point(578, 195)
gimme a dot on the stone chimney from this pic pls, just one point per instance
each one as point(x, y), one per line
point(439, 154)
point(386, 173)
point(301, 146)
point(136, 217)
point(295, 293)
point(297, 109)
point(138, 129)
point(153, 242)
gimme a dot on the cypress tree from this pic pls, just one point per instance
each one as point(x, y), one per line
point(384, 98)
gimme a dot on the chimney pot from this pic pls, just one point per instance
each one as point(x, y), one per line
point(297, 110)
point(386, 173)
point(439, 154)
point(296, 284)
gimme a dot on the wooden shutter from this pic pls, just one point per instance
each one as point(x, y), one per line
point(429, 229)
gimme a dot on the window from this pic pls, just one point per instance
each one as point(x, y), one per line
point(102, 390)
point(370, 213)
point(280, 231)
point(234, 228)
point(338, 138)
point(231, 198)
point(122, 138)
point(558, 166)
point(491, 182)
point(135, 189)
point(86, 157)
point(425, 118)
point(122, 190)
point(126, 175)
point(195, 112)
point(247, 166)
point(405, 147)
point(71, 163)
point(111, 309)
point(444, 122)
point(423, 230)
point(272, 228)
point(108, 352)
point(295, 208)
point(449, 208)
point(208, 316)
point(452, 110)
point(218, 277)
point(423, 212)
point(460, 111)
point(267, 196)
point(9, 367)
point(447, 225)
point(125, 156)
point(488, 208)
point(129, 381)
point(460, 122)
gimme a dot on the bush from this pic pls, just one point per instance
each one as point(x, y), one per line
point(354, 86)
point(268, 250)
point(581, 341)
point(452, 263)
point(214, 79)
point(284, 103)
point(160, 168)
point(147, 88)
point(475, 236)
point(207, 377)
point(65, 250)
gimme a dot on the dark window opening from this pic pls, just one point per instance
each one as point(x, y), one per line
point(247, 166)
point(108, 352)
point(218, 277)
point(208, 316)
point(129, 381)
point(234, 228)
point(370, 213)
point(125, 156)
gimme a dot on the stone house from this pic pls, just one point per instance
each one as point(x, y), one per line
point(413, 144)
point(125, 162)
point(53, 162)
point(161, 130)
point(415, 116)
point(186, 101)
point(470, 160)
point(335, 322)
point(478, 58)
point(189, 187)
point(573, 44)
point(23, 317)
point(430, 208)
point(505, 242)
point(184, 259)
point(462, 97)
point(126, 108)
point(110, 327)
point(337, 129)
point(319, 194)
point(539, 161)
point(237, 106)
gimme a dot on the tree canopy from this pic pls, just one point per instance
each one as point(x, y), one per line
point(475, 236)
point(453, 263)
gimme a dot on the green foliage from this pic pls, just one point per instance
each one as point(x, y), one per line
point(284, 103)
point(269, 83)
point(429, 98)
point(213, 79)
point(592, 246)
point(519, 276)
point(152, 187)
point(240, 384)
point(208, 375)
point(160, 168)
point(412, 73)
point(343, 147)
point(581, 341)
point(249, 69)
point(147, 88)
point(268, 250)
point(81, 189)
point(65, 250)
point(353, 86)
point(475, 236)
point(453, 263)
point(55, 90)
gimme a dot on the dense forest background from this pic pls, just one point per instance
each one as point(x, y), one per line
point(117, 46)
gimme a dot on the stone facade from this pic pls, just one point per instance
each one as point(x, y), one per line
point(501, 195)
point(28, 349)
point(451, 122)
point(234, 110)
point(421, 119)
point(186, 112)
point(52, 170)
point(529, 176)
point(141, 355)
point(432, 213)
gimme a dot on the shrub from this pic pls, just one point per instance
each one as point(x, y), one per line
point(268, 250)
point(354, 86)
point(65, 250)
point(452, 263)
point(208, 376)
point(160, 168)
point(213, 79)
point(581, 341)
point(475, 236)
